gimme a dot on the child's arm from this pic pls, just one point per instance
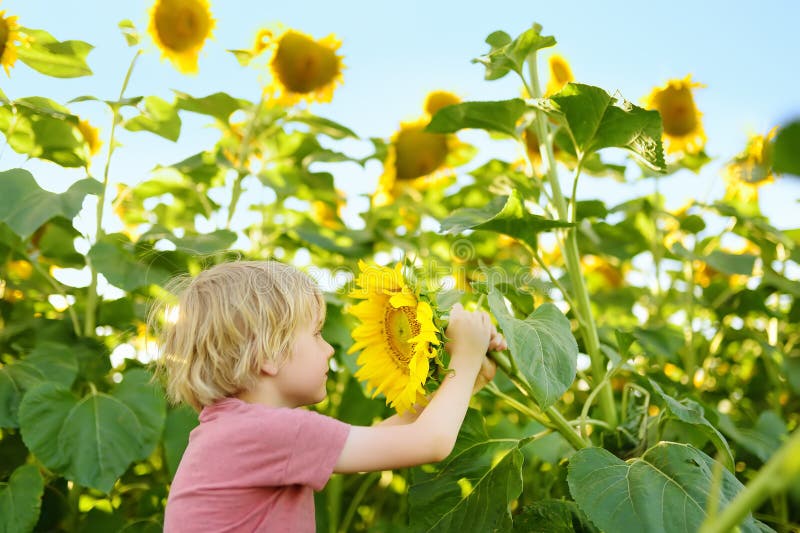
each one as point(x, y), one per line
point(487, 372)
point(432, 435)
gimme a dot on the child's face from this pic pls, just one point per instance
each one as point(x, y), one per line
point(303, 375)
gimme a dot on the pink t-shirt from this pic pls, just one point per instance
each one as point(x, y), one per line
point(251, 468)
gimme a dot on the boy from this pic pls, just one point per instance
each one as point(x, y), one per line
point(246, 351)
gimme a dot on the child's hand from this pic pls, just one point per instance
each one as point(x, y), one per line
point(469, 334)
point(488, 370)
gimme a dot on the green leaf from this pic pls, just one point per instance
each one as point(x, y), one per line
point(10, 394)
point(542, 346)
point(665, 490)
point(509, 55)
point(762, 440)
point(662, 341)
point(41, 128)
point(731, 263)
point(598, 120)
point(472, 489)
point(47, 55)
point(57, 362)
point(159, 117)
point(323, 125)
point(147, 402)
point(218, 105)
point(129, 31)
point(552, 516)
point(120, 266)
point(692, 413)
point(500, 116)
point(786, 155)
point(21, 500)
point(179, 423)
point(24, 206)
point(504, 214)
point(91, 440)
point(56, 242)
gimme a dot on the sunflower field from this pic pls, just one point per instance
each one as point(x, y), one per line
point(652, 380)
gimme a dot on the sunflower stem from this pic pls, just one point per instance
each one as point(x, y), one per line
point(572, 256)
point(91, 296)
point(369, 479)
point(242, 171)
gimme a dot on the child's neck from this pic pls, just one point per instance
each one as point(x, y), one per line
point(264, 394)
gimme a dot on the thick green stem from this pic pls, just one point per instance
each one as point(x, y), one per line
point(779, 472)
point(557, 420)
point(572, 257)
point(91, 297)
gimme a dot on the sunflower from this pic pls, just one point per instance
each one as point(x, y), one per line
point(436, 100)
point(750, 169)
point(91, 135)
point(560, 74)
point(683, 129)
point(419, 160)
point(302, 68)
point(9, 37)
point(397, 336)
point(180, 28)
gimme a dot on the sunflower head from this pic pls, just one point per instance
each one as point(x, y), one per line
point(180, 29)
point(9, 38)
point(560, 74)
point(436, 100)
point(683, 129)
point(751, 169)
point(302, 68)
point(397, 336)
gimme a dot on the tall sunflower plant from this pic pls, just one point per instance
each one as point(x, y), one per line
point(623, 411)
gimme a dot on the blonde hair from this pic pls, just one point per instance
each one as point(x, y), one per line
point(227, 322)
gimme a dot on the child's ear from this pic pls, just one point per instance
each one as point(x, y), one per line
point(270, 368)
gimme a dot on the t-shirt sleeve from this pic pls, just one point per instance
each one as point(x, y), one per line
point(316, 446)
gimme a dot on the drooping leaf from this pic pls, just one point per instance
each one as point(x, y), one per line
point(472, 489)
point(21, 499)
point(51, 57)
point(147, 402)
point(24, 206)
point(692, 413)
point(666, 490)
point(500, 116)
point(159, 117)
point(90, 440)
point(543, 347)
point(598, 120)
point(503, 214)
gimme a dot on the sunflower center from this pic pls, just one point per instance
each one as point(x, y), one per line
point(303, 65)
point(182, 24)
point(4, 34)
point(399, 325)
point(419, 153)
point(677, 111)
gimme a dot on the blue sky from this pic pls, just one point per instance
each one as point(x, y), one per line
point(396, 52)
